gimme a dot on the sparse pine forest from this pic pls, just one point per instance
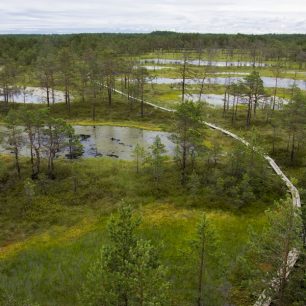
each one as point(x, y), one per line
point(117, 186)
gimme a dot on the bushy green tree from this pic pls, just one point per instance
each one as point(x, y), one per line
point(128, 271)
point(207, 256)
point(194, 183)
point(187, 135)
point(252, 87)
point(266, 262)
point(66, 68)
point(295, 118)
point(157, 158)
point(45, 73)
point(295, 293)
point(14, 138)
point(58, 135)
point(140, 78)
point(33, 123)
point(139, 155)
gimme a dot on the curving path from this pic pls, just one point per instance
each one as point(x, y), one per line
point(263, 300)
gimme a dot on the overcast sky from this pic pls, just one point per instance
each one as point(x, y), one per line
point(205, 16)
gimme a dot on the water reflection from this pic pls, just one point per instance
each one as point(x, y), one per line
point(204, 63)
point(268, 82)
point(108, 141)
point(34, 95)
point(119, 142)
point(218, 100)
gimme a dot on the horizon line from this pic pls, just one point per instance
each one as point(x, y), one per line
point(148, 33)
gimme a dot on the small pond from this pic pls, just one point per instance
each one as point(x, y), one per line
point(153, 68)
point(119, 142)
point(268, 81)
point(111, 141)
point(35, 95)
point(218, 100)
point(203, 63)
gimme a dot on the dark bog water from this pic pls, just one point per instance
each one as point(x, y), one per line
point(34, 95)
point(218, 100)
point(110, 141)
point(119, 142)
point(268, 81)
point(204, 63)
point(156, 67)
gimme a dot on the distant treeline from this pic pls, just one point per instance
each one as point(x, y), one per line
point(26, 48)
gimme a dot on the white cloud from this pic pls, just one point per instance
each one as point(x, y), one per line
point(214, 16)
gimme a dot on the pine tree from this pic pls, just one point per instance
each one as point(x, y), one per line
point(187, 136)
point(139, 154)
point(266, 263)
point(207, 255)
point(156, 158)
point(14, 138)
point(295, 123)
point(128, 271)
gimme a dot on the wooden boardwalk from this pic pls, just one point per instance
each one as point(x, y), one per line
point(263, 300)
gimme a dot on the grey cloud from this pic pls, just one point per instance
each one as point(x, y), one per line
point(214, 16)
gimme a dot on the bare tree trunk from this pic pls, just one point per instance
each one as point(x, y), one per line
point(68, 100)
point(288, 143)
point(236, 108)
point(233, 109)
point(37, 162)
point(292, 154)
point(184, 79)
point(142, 101)
point(249, 113)
point(227, 102)
point(293, 87)
point(128, 88)
point(31, 152)
point(16, 153)
point(255, 106)
point(274, 94)
point(224, 103)
point(202, 88)
point(48, 95)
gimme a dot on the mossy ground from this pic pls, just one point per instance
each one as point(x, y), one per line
point(50, 237)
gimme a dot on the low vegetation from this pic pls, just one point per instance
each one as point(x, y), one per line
point(211, 225)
